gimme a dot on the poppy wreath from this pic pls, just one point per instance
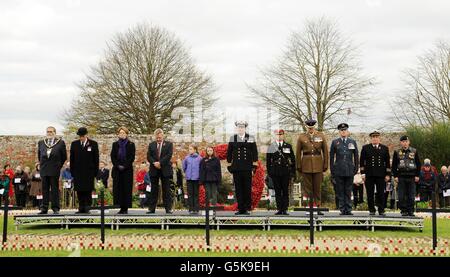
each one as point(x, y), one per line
point(257, 181)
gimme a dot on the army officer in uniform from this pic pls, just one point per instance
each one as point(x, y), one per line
point(281, 168)
point(376, 168)
point(312, 159)
point(242, 157)
point(344, 165)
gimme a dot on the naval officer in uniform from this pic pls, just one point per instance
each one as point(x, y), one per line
point(312, 159)
point(376, 168)
point(344, 165)
point(242, 158)
point(280, 160)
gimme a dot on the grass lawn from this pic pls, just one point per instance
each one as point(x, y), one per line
point(277, 234)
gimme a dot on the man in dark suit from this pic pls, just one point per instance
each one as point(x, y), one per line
point(103, 174)
point(281, 168)
point(376, 167)
point(52, 154)
point(242, 157)
point(84, 162)
point(344, 165)
point(159, 155)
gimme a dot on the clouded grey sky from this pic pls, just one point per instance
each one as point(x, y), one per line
point(48, 46)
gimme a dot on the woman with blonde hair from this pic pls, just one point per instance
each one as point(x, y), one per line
point(122, 156)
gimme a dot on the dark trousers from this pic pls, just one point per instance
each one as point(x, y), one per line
point(84, 200)
point(50, 184)
point(211, 192)
point(167, 194)
point(281, 185)
point(344, 186)
point(373, 182)
point(425, 194)
point(358, 194)
point(443, 201)
point(123, 188)
point(406, 194)
point(336, 199)
point(243, 187)
point(21, 199)
point(192, 186)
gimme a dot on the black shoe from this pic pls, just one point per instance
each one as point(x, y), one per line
point(320, 213)
point(122, 212)
point(279, 213)
point(382, 213)
point(150, 212)
point(342, 213)
point(80, 212)
point(404, 213)
point(56, 212)
point(246, 213)
point(371, 213)
point(42, 212)
point(285, 213)
point(411, 214)
point(240, 212)
point(170, 212)
point(348, 213)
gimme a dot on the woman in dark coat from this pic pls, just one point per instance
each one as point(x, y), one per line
point(210, 175)
point(122, 157)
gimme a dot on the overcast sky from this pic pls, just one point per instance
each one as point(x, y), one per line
point(48, 46)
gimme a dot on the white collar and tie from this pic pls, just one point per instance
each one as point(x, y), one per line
point(280, 144)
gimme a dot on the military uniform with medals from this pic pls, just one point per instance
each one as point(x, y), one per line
point(375, 164)
point(280, 160)
point(312, 160)
point(242, 154)
point(344, 165)
point(406, 166)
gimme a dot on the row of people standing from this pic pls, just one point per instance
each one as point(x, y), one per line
point(22, 184)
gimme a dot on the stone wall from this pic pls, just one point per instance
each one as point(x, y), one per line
point(23, 149)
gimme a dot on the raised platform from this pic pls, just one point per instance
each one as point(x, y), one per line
point(263, 219)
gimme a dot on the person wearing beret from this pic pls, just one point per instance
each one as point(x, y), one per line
point(312, 160)
point(52, 155)
point(376, 169)
point(280, 159)
point(406, 170)
point(242, 158)
point(84, 164)
point(344, 164)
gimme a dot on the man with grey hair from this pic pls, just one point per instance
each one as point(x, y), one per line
point(52, 155)
point(159, 155)
point(444, 185)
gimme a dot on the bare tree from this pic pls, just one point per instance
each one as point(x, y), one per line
point(426, 99)
point(144, 75)
point(318, 76)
